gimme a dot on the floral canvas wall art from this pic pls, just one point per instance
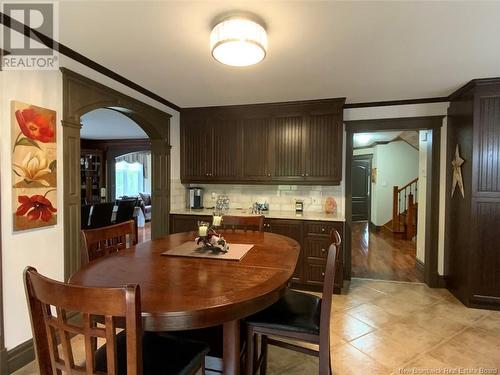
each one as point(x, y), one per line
point(34, 166)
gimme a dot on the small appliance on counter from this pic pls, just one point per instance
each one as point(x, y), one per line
point(195, 198)
point(299, 206)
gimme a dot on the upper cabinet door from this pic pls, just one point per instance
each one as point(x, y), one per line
point(255, 149)
point(324, 148)
point(226, 149)
point(196, 148)
point(287, 147)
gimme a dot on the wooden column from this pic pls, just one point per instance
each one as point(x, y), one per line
point(71, 196)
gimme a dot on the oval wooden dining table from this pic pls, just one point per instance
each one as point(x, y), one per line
point(180, 293)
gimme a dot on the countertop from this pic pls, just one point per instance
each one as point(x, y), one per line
point(272, 214)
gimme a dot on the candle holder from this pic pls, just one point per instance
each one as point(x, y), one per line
point(211, 240)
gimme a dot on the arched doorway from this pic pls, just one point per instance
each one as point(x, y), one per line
point(82, 95)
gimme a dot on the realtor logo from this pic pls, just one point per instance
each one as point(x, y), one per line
point(23, 52)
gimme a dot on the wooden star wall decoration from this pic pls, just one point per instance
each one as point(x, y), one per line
point(456, 164)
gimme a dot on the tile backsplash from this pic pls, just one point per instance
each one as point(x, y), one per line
point(279, 197)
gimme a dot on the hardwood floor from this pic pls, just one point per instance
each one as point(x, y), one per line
point(380, 255)
point(144, 234)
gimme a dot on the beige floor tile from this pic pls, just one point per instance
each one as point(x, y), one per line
point(345, 302)
point(471, 348)
point(412, 336)
point(420, 364)
point(459, 312)
point(431, 320)
point(372, 315)
point(348, 327)
point(385, 349)
point(491, 323)
point(347, 360)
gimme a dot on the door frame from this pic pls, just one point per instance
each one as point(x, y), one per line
point(434, 123)
point(82, 95)
point(3, 350)
point(370, 158)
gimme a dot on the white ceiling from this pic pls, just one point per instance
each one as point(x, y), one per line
point(366, 51)
point(109, 124)
point(369, 139)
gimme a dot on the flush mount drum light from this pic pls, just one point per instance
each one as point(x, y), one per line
point(238, 41)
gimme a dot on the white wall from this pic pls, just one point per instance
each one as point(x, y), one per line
point(42, 248)
point(414, 110)
point(363, 151)
point(397, 164)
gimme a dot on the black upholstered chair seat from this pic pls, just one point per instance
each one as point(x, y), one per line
point(294, 312)
point(162, 354)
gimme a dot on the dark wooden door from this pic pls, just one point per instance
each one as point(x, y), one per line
point(324, 140)
point(292, 229)
point(197, 139)
point(226, 149)
point(361, 183)
point(255, 147)
point(288, 149)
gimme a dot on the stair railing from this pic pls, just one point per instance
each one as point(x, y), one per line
point(404, 201)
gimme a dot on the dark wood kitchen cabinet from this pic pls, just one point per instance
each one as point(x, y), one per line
point(472, 254)
point(210, 149)
point(292, 229)
point(280, 143)
point(314, 240)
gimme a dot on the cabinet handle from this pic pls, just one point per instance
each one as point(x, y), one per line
point(322, 274)
point(323, 250)
point(303, 174)
point(322, 229)
point(307, 174)
point(269, 175)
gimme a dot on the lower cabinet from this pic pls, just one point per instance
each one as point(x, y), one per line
point(314, 240)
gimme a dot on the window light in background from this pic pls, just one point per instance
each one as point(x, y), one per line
point(238, 41)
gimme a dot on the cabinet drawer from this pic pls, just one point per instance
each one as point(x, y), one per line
point(315, 273)
point(323, 227)
point(317, 246)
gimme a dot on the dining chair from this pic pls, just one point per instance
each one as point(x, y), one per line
point(254, 222)
point(126, 209)
point(103, 241)
point(295, 316)
point(101, 215)
point(85, 215)
point(129, 352)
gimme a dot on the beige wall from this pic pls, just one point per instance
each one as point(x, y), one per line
point(42, 248)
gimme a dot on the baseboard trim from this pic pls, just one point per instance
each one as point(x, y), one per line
point(442, 281)
point(20, 356)
point(3, 361)
point(419, 265)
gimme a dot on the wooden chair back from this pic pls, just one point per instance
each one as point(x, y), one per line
point(107, 240)
point(254, 222)
point(326, 302)
point(50, 302)
point(101, 215)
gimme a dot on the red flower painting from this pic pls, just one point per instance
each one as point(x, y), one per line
point(36, 125)
point(36, 207)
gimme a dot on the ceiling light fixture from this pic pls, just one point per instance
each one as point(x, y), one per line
point(362, 138)
point(238, 41)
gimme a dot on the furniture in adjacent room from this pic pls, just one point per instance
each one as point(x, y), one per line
point(129, 352)
point(472, 253)
point(85, 216)
point(249, 222)
point(288, 143)
point(101, 215)
point(91, 174)
point(192, 294)
point(312, 235)
point(296, 316)
point(125, 211)
point(146, 205)
point(103, 241)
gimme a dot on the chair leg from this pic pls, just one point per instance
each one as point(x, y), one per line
point(250, 350)
point(263, 350)
point(325, 366)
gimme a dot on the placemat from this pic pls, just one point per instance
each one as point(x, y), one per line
point(190, 249)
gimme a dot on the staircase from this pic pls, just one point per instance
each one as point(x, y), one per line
point(404, 210)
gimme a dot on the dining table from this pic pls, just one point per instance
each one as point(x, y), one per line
point(185, 293)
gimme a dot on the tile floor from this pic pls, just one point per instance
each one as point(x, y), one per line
point(390, 328)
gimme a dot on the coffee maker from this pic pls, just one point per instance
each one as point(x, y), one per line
point(195, 197)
